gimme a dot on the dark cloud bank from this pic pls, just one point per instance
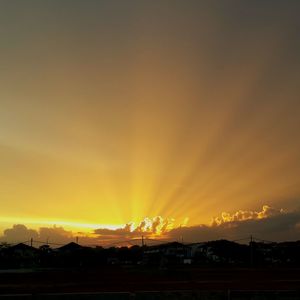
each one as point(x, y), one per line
point(20, 233)
point(281, 227)
point(268, 224)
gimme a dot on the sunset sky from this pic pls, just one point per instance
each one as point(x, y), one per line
point(114, 111)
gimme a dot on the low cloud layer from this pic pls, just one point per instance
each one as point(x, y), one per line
point(20, 233)
point(280, 227)
point(268, 224)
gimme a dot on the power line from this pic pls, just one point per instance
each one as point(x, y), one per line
point(135, 241)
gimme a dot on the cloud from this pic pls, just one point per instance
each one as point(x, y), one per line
point(148, 227)
point(243, 215)
point(20, 233)
point(269, 224)
point(124, 232)
point(157, 225)
point(55, 234)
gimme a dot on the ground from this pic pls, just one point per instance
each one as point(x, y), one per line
point(131, 279)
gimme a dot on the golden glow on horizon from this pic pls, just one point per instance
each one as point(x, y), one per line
point(152, 227)
point(66, 224)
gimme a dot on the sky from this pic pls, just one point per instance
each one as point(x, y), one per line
point(149, 116)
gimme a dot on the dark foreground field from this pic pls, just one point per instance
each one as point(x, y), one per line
point(120, 279)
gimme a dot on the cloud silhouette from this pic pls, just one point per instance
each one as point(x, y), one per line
point(55, 234)
point(20, 233)
point(279, 226)
point(269, 224)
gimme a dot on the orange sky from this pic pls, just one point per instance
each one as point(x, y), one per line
point(116, 111)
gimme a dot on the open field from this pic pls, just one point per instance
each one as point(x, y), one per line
point(117, 279)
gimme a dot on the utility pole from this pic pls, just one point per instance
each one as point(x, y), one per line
point(251, 250)
point(31, 242)
point(143, 243)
